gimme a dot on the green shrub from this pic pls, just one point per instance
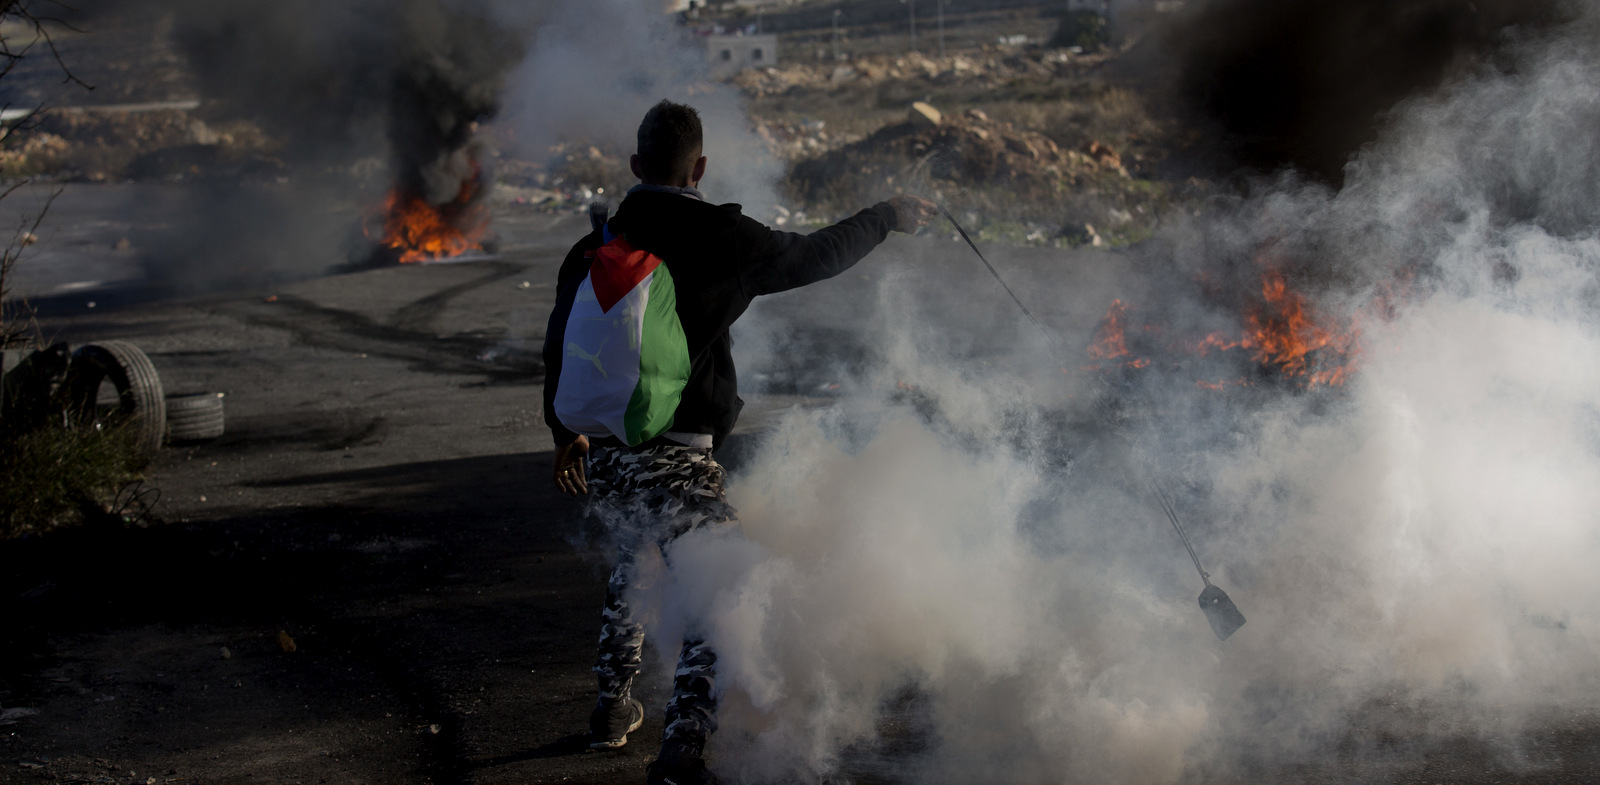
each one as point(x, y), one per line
point(55, 474)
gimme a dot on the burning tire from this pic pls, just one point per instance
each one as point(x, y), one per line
point(194, 417)
point(135, 400)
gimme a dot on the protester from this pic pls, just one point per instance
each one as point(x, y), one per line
point(640, 389)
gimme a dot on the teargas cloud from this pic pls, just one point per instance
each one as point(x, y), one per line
point(1373, 406)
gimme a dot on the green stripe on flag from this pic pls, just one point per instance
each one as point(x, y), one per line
point(663, 364)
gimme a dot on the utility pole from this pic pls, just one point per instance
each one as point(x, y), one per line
point(835, 35)
point(940, 5)
point(758, 20)
point(913, 23)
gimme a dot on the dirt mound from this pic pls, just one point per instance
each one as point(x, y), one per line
point(957, 152)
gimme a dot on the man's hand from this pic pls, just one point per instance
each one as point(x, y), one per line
point(569, 469)
point(912, 212)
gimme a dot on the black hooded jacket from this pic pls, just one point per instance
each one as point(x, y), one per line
point(720, 260)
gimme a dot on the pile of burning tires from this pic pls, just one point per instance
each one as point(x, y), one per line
point(102, 384)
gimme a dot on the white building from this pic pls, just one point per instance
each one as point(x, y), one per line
point(730, 54)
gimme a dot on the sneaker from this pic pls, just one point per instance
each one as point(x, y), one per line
point(609, 725)
point(679, 769)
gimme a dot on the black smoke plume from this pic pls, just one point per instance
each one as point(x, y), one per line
point(328, 75)
point(362, 94)
point(1305, 83)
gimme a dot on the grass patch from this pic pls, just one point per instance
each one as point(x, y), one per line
point(56, 475)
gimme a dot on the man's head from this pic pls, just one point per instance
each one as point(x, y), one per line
point(670, 143)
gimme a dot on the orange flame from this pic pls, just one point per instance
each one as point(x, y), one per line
point(1205, 385)
point(1281, 332)
point(1284, 334)
point(1112, 341)
point(421, 231)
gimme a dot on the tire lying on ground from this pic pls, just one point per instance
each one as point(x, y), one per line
point(138, 401)
point(194, 417)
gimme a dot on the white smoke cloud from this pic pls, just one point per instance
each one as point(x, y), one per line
point(947, 599)
point(594, 68)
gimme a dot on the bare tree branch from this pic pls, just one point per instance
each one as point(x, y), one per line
point(20, 10)
point(17, 317)
point(11, 313)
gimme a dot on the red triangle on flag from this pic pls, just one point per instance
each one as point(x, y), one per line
point(617, 268)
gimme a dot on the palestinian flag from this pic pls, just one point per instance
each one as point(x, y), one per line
point(626, 360)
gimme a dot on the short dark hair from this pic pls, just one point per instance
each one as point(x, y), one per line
point(670, 141)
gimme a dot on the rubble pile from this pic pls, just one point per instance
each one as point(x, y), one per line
point(1070, 153)
point(1020, 185)
point(957, 152)
point(801, 139)
point(989, 67)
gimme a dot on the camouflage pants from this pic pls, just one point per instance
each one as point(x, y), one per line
point(656, 495)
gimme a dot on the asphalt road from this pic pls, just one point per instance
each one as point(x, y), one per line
point(381, 498)
point(378, 497)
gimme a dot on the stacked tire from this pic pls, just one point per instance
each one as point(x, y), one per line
point(194, 417)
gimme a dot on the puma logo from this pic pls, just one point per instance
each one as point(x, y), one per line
point(578, 352)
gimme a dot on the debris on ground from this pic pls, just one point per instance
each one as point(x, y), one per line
point(1024, 174)
point(105, 145)
point(1037, 143)
point(923, 115)
point(959, 149)
point(989, 67)
point(570, 177)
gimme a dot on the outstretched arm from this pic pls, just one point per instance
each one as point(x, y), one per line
point(779, 261)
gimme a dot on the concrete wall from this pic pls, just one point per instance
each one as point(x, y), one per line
point(730, 54)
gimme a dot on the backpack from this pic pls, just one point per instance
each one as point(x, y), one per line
point(625, 359)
